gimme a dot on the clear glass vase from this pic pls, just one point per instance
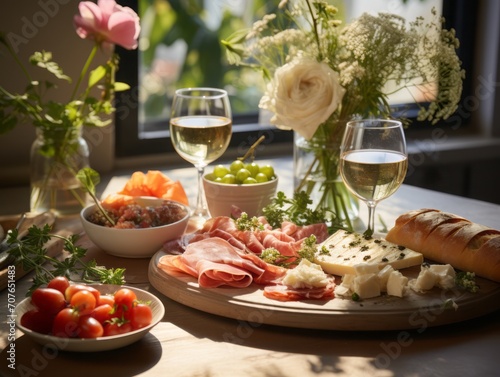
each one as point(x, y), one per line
point(57, 154)
point(316, 171)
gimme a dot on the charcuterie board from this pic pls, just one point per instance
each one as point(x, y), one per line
point(414, 311)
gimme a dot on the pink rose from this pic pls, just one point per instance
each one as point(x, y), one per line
point(108, 22)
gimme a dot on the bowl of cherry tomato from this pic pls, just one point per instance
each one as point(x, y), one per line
point(88, 318)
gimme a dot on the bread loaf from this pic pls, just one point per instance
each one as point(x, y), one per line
point(447, 238)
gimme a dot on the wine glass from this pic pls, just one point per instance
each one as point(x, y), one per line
point(373, 161)
point(200, 130)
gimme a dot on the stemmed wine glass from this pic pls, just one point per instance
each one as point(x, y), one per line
point(373, 161)
point(200, 130)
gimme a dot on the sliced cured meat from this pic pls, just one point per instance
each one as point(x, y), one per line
point(213, 275)
point(319, 230)
point(215, 262)
point(282, 292)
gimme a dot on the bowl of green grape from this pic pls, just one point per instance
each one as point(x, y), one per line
point(239, 187)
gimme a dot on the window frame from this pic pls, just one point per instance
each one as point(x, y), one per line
point(459, 14)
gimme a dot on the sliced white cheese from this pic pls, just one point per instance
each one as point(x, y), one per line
point(305, 275)
point(396, 284)
point(342, 251)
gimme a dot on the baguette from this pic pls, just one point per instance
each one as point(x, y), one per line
point(450, 239)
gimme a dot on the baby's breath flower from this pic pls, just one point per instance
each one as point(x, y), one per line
point(374, 56)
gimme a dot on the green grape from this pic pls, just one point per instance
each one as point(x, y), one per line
point(268, 170)
point(249, 181)
point(253, 168)
point(242, 174)
point(229, 178)
point(220, 171)
point(218, 180)
point(261, 177)
point(236, 165)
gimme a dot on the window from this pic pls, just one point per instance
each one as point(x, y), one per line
point(142, 113)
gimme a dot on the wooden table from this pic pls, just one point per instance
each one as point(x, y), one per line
point(188, 342)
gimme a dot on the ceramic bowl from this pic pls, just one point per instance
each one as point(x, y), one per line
point(252, 198)
point(133, 243)
point(104, 343)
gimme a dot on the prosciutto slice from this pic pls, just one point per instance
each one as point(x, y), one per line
point(215, 262)
point(283, 292)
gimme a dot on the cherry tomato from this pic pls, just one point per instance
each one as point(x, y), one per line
point(117, 328)
point(89, 327)
point(61, 283)
point(48, 299)
point(72, 289)
point(106, 299)
point(66, 323)
point(140, 316)
point(38, 321)
point(102, 313)
point(83, 301)
point(125, 298)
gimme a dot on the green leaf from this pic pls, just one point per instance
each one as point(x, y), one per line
point(121, 86)
point(89, 178)
point(96, 75)
point(44, 60)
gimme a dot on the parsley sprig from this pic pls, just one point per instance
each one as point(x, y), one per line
point(297, 210)
point(31, 253)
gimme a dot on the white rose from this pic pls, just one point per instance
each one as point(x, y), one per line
point(302, 95)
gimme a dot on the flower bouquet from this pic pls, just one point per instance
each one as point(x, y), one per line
point(321, 73)
point(59, 151)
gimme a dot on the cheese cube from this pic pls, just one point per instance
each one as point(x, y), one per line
point(426, 280)
point(396, 284)
point(341, 290)
point(348, 280)
point(366, 286)
point(445, 275)
point(383, 276)
point(365, 268)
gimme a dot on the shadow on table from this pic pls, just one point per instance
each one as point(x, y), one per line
point(32, 359)
point(419, 352)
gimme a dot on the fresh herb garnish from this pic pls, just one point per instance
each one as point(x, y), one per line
point(31, 254)
point(466, 281)
point(297, 211)
point(244, 222)
point(90, 178)
point(306, 251)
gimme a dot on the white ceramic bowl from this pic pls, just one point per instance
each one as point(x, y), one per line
point(249, 198)
point(133, 243)
point(97, 344)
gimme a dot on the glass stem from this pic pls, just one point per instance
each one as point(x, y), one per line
point(371, 218)
point(201, 207)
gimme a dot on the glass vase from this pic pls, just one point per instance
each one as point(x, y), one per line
point(316, 171)
point(57, 154)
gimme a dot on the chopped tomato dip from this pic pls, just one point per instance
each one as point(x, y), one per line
point(133, 216)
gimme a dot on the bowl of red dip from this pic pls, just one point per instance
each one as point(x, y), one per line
point(141, 228)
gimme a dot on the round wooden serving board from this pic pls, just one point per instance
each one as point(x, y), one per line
point(414, 311)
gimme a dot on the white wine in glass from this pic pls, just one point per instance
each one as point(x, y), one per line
point(200, 130)
point(373, 161)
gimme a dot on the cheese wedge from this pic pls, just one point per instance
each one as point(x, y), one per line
point(342, 251)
